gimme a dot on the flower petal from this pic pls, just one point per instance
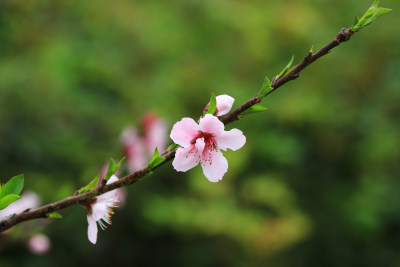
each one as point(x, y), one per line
point(184, 131)
point(233, 139)
point(211, 124)
point(99, 209)
point(215, 169)
point(224, 104)
point(187, 158)
point(112, 179)
point(92, 229)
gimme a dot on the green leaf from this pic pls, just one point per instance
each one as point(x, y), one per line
point(54, 215)
point(173, 146)
point(212, 108)
point(372, 14)
point(110, 171)
point(155, 160)
point(90, 186)
point(7, 200)
point(147, 175)
point(285, 70)
point(265, 89)
point(112, 168)
point(116, 168)
point(374, 5)
point(13, 186)
point(356, 20)
point(255, 109)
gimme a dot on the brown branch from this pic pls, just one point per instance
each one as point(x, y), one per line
point(44, 211)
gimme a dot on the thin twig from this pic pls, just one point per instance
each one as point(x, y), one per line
point(42, 212)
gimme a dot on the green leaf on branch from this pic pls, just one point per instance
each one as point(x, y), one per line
point(13, 186)
point(255, 109)
point(113, 168)
point(155, 160)
point(212, 108)
point(54, 215)
point(147, 175)
point(90, 186)
point(173, 146)
point(372, 14)
point(7, 200)
point(285, 70)
point(265, 89)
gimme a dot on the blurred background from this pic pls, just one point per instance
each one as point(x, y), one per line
point(317, 183)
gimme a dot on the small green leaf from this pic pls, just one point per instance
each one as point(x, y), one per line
point(90, 186)
point(372, 14)
point(173, 146)
point(212, 108)
point(147, 175)
point(155, 160)
point(119, 164)
point(285, 70)
point(7, 200)
point(311, 49)
point(55, 215)
point(255, 109)
point(265, 89)
point(356, 20)
point(13, 186)
point(110, 171)
point(374, 5)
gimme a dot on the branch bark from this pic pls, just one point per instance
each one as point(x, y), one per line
point(44, 211)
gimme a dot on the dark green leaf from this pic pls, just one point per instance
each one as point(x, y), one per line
point(54, 215)
point(255, 109)
point(90, 186)
point(7, 200)
point(147, 175)
point(212, 108)
point(13, 186)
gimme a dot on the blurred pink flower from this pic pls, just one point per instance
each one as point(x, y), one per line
point(138, 149)
point(101, 210)
point(29, 200)
point(39, 244)
point(202, 143)
point(154, 133)
point(133, 149)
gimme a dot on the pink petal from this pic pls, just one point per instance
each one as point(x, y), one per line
point(184, 131)
point(92, 229)
point(224, 104)
point(215, 169)
point(187, 158)
point(211, 124)
point(233, 139)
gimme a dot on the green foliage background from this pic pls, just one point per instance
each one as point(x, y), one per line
point(317, 183)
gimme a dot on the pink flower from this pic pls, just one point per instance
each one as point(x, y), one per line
point(134, 149)
point(154, 133)
point(224, 104)
point(139, 147)
point(203, 143)
point(101, 210)
point(39, 244)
